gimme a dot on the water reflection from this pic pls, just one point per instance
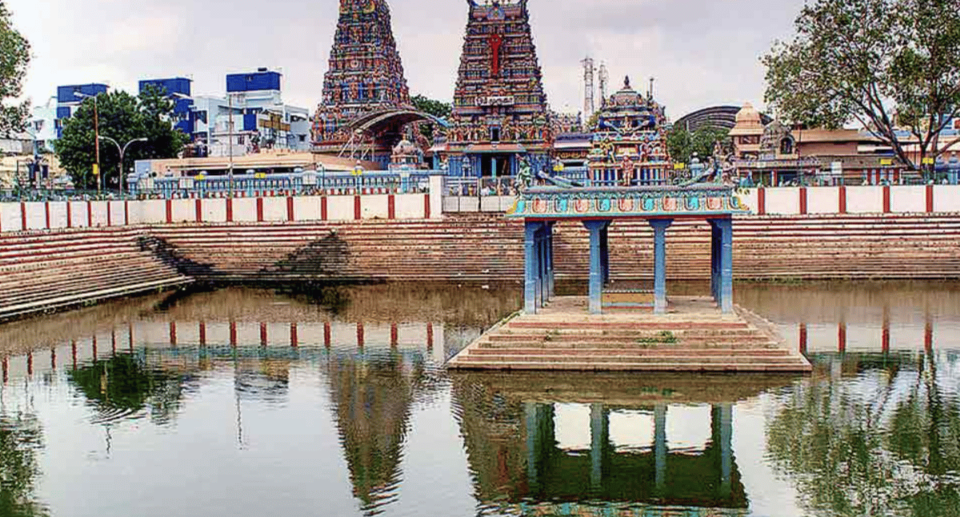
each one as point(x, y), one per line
point(873, 435)
point(510, 427)
point(315, 402)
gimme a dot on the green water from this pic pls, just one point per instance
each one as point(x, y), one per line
point(244, 402)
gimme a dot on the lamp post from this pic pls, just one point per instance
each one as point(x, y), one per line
point(122, 151)
point(96, 132)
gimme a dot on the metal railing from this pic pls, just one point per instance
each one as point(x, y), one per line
point(294, 184)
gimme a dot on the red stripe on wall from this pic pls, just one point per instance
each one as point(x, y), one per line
point(169, 211)
point(426, 206)
point(803, 200)
point(290, 214)
point(391, 207)
point(886, 199)
point(199, 213)
point(930, 199)
point(357, 212)
point(263, 334)
point(323, 208)
point(126, 213)
point(46, 213)
point(23, 216)
point(294, 339)
point(229, 209)
point(69, 216)
point(843, 200)
point(762, 201)
point(326, 334)
point(203, 334)
point(259, 209)
point(109, 215)
point(89, 214)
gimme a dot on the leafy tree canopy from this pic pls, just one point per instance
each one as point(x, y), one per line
point(14, 58)
point(436, 108)
point(123, 118)
point(682, 143)
point(886, 64)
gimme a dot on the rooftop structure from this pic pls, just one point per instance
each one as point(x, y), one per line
point(629, 144)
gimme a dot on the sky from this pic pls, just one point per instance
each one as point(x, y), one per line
point(701, 52)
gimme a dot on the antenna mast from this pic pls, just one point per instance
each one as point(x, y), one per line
point(588, 100)
point(604, 81)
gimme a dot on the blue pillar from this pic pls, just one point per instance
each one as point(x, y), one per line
point(599, 437)
point(660, 447)
point(715, 244)
point(596, 267)
point(531, 266)
point(605, 253)
point(660, 264)
point(550, 265)
point(725, 227)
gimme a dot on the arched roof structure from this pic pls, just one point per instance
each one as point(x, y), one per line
point(724, 117)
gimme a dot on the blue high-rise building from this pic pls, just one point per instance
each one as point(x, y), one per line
point(69, 99)
point(178, 89)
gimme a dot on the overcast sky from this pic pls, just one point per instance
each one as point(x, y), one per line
point(702, 52)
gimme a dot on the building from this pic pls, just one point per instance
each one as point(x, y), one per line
point(177, 89)
point(43, 126)
point(70, 97)
point(719, 117)
point(774, 154)
point(364, 76)
point(629, 141)
point(500, 114)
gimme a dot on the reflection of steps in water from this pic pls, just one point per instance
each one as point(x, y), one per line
point(424, 341)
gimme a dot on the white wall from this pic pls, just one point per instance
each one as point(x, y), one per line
point(307, 208)
point(750, 198)
point(214, 211)
point(184, 210)
point(117, 215)
point(340, 208)
point(409, 206)
point(36, 216)
point(375, 207)
point(10, 220)
point(946, 198)
point(823, 200)
point(864, 200)
point(784, 201)
point(153, 211)
point(98, 213)
point(245, 210)
point(58, 215)
point(274, 209)
point(78, 214)
point(908, 200)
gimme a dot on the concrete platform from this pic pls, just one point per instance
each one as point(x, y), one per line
point(694, 336)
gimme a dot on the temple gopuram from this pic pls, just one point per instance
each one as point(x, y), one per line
point(629, 141)
point(365, 77)
point(500, 115)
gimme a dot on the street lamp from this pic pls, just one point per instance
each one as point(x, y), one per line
point(122, 151)
point(96, 131)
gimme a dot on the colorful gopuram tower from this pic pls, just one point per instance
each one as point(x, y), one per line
point(500, 112)
point(364, 76)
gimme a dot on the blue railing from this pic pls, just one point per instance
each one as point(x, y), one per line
point(295, 184)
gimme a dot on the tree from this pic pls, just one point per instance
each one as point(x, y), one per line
point(436, 108)
point(14, 58)
point(890, 65)
point(681, 143)
point(123, 117)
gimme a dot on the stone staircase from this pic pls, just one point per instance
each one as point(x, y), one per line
point(689, 341)
point(42, 271)
point(487, 248)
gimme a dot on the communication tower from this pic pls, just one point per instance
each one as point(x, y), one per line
point(588, 100)
point(604, 81)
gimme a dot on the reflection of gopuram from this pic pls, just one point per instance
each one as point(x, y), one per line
point(510, 428)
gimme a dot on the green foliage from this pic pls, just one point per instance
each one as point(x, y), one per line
point(122, 117)
point(14, 58)
point(887, 64)
point(124, 384)
point(436, 108)
point(20, 440)
point(681, 144)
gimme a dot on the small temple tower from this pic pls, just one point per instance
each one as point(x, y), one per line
point(365, 74)
point(500, 112)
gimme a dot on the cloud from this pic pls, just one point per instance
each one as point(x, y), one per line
point(702, 52)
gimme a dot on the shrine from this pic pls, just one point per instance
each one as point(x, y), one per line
point(629, 142)
point(500, 115)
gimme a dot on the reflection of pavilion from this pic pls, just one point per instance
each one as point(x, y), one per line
point(510, 426)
